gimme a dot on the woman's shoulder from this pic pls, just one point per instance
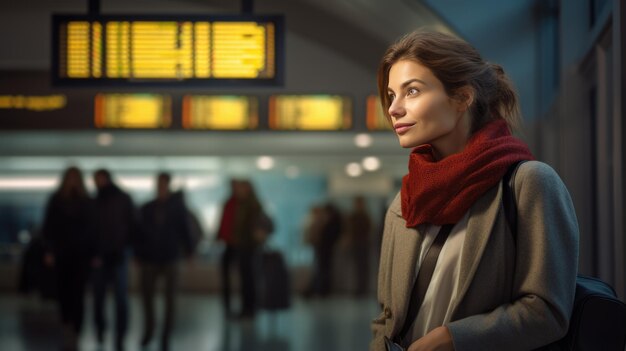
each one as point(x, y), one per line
point(396, 205)
point(537, 174)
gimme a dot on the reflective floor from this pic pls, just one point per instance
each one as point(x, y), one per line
point(337, 323)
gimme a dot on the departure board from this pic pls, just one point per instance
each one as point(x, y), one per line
point(310, 112)
point(135, 50)
point(215, 112)
point(375, 117)
point(132, 111)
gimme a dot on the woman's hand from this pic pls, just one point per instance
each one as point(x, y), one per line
point(439, 339)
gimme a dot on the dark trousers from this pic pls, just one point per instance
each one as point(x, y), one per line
point(248, 288)
point(150, 274)
point(113, 273)
point(72, 273)
point(228, 258)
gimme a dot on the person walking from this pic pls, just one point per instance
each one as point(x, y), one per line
point(116, 224)
point(324, 233)
point(247, 214)
point(68, 233)
point(225, 234)
point(164, 237)
point(358, 244)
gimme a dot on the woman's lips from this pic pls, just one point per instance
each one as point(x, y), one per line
point(402, 128)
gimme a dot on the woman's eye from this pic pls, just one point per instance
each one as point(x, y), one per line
point(391, 97)
point(412, 91)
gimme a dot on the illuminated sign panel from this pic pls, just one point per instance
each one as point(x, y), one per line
point(375, 118)
point(240, 50)
point(220, 112)
point(133, 111)
point(135, 50)
point(33, 103)
point(310, 112)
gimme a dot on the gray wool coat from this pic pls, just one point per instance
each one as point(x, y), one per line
point(513, 295)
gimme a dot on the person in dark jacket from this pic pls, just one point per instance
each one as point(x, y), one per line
point(324, 246)
point(164, 238)
point(357, 241)
point(116, 222)
point(225, 234)
point(68, 232)
point(246, 216)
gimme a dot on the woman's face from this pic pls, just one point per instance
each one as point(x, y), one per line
point(422, 112)
point(73, 179)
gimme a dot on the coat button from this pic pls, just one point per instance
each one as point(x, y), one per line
point(387, 312)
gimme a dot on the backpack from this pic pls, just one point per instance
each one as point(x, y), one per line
point(598, 320)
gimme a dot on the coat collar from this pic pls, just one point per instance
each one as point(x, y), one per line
point(482, 218)
point(407, 243)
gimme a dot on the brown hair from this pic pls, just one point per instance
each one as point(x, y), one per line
point(72, 184)
point(456, 64)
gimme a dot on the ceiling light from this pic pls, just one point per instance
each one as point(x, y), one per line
point(105, 139)
point(371, 163)
point(363, 140)
point(20, 183)
point(353, 169)
point(265, 163)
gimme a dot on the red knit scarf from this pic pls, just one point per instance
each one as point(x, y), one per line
point(441, 192)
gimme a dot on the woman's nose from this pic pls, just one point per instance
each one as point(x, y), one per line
point(396, 109)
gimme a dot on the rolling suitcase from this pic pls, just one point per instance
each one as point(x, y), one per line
point(274, 283)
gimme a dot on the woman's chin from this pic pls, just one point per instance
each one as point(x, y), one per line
point(406, 142)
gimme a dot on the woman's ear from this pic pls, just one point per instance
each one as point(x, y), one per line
point(464, 98)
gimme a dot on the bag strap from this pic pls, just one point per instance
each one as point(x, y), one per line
point(424, 275)
point(508, 199)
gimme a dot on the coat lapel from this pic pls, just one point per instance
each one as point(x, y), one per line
point(479, 228)
point(406, 244)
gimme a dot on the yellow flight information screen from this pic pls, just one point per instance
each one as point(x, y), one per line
point(133, 111)
point(310, 112)
point(135, 50)
point(215, 112)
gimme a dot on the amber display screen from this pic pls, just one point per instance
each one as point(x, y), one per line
point(375, 117)
point(133, 111)
point(220, 112)
point(310, 112)
point(135, 50)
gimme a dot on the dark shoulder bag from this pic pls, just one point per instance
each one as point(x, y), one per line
point(598, 320)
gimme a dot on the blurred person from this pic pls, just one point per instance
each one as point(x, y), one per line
point(313, 227)
point(116, 224)
point(329, 232)
point(246, 216)
point(164, 237)
point(225, 234)
point(358, 243)
point(452, 275)
point(68, 232)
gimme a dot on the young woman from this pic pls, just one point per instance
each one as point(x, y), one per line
point(490, 290)
point(69, 234)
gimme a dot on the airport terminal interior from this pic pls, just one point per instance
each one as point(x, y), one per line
point(279, 98)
